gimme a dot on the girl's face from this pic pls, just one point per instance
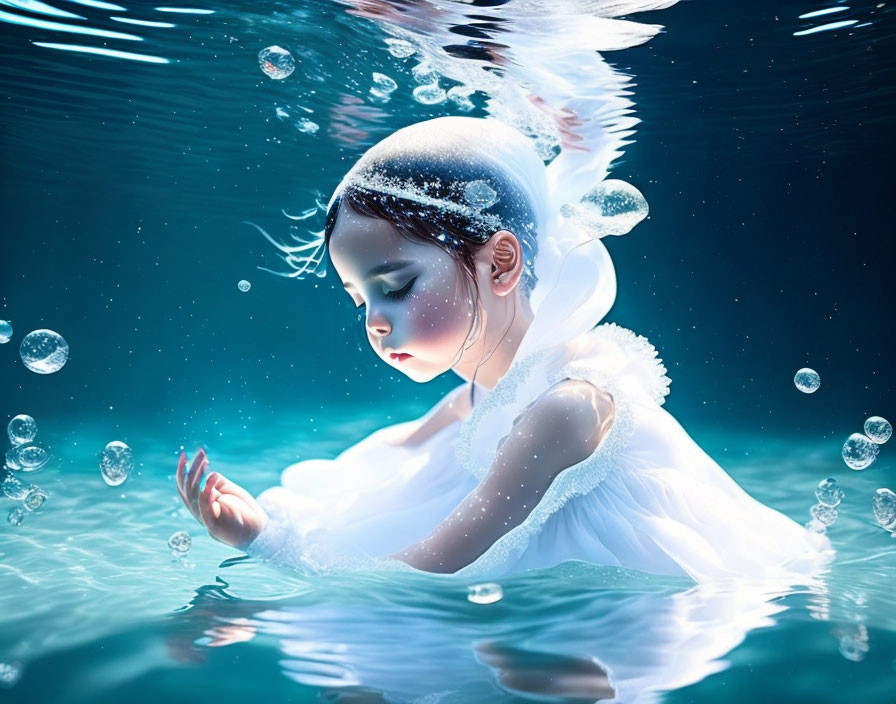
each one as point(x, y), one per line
point(418, 305)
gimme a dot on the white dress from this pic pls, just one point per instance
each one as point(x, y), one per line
point(648, 498)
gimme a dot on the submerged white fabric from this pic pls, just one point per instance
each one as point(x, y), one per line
point(649, 498)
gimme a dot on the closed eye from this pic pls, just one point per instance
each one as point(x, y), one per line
point(402, 292)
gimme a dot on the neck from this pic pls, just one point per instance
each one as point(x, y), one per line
point(490, 359)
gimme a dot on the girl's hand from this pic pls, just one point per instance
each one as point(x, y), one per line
point(227, 510)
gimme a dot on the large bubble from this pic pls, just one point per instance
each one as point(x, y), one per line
point(44, 351)
point(878, 429)
point(116, 462)
point(883, 504)
point(807, 380)
point(829, 492)
point(32, 457)
point(614, 207)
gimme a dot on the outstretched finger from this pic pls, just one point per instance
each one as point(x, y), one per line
point(225, 486)
point(207, 500)
point(179, 476)
point(193, 483)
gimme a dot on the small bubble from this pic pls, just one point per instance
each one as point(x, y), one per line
point(32, 457)
point(480, 195)
point(44, 351)
point(10, 673)
point(383, 86)
point(16, 516)
point(5, 331)
point(307, 126)
point(35, 498)
point(180, 542)
point(807, 380)
point(878, 429)
point(824, 514)
point(859, 452)
point(883, 506)
point(430, 94)
point(14, 489)
point(116, 462)
point(829, 492)
point(613, 207)
point(460, 96)
point(21, 429)
point(276, 62)
point(244, 285)
point(487, 593)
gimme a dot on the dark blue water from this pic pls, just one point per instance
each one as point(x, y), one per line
point(766, 158)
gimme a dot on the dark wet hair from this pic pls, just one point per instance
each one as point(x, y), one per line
point(451, 229)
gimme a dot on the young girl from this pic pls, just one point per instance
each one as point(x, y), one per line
point(453, 235)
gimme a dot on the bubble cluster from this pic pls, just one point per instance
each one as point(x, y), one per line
point(23, 456)
point(883, 506)
point(400, 49)
point(244, 285)
point(116, 462)
point(383, 86)
point(5, 331)
point(21, 429)
point(613, 207)
point(44, 351)
point(829, 493)
point(180, 542)
point(807, 380)
point(276, 62)
point(859, 452)
point(487, 593)
point(878, 429)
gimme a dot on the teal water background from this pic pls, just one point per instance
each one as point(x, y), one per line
point(767, 162)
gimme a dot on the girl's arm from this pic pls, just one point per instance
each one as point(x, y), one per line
point(561, 428)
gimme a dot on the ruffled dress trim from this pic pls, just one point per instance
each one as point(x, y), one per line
point(624, 365)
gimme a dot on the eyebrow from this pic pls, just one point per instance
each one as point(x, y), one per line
point(382, 269)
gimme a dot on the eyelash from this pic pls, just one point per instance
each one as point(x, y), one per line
point(397, 294)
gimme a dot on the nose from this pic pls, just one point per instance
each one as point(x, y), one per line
point(378, 324)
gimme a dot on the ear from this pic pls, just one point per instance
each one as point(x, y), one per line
point(506, 262)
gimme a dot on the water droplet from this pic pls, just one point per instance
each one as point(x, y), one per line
point(883, 505)
point(180, 542)
point(480, 195)
point(307, 126)
point(614, 207)
point(5, 331)
point(32, 457)
point(829, 492)
point(430, 94)
point(400, 49)
point(825, 515)
point(807, 380)
point(487, 593)
point(878, 429)
point(44, 351)
point(116, 462)
point(35, 498)
point(383, 86)
point(21, 429)
point(276, 62)
point(14, 489)
point(244, 285)
point(859, 452)
point(16, 516)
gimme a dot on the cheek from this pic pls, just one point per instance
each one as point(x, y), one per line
point(438, 313)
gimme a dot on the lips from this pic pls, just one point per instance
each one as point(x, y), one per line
point(399, 356)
